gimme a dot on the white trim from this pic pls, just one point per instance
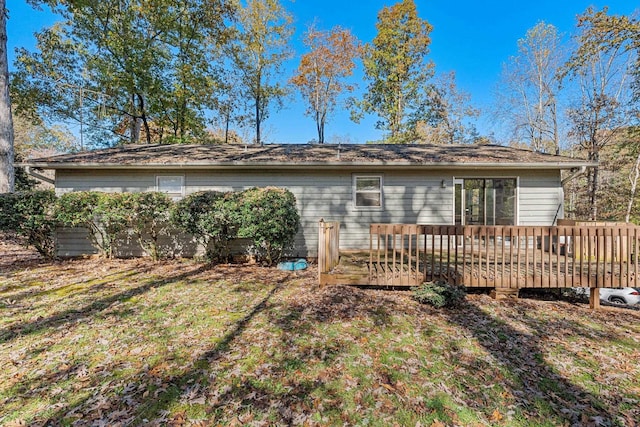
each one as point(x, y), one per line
point(173, 194)
point(354, 191)
point(517, 221)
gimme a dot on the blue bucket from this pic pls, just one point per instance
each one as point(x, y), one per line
point(300, 264)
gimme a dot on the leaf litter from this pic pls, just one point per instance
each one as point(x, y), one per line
point(131, 342)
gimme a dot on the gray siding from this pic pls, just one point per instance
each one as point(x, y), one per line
point(409, 197)
point(541, 198)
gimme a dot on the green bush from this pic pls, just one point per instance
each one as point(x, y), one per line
point(113, 213)
point(29, 215)
point(266, 216)
point(439, 294)
point(269, 217)
point(104, 215)
point(149, 219)
point(210, 216)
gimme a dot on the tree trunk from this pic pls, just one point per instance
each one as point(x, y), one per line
point(258, 100)
point(593, 188)
point(145, 122)
point(258, 119)
point(134, 126)
point(7, 176)
point(633, 178)
point(320, 119)
point(227, 118)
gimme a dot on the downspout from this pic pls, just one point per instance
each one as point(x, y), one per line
point(39, 176)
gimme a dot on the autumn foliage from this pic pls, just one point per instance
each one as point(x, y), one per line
point(322, 72)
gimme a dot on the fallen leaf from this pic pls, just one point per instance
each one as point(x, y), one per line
point(496, 416)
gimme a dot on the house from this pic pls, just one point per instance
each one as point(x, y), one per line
point(354, 184)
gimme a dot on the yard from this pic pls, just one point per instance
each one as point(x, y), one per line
point(129, 342)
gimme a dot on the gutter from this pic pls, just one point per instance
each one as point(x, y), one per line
point(574, 174)
point(39, 176)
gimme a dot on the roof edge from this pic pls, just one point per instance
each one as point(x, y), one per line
point(324, 165)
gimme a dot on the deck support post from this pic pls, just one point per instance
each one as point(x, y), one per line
point(594, 298)
point(504, 293)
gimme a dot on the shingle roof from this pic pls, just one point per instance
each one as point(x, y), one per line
point(305, 155)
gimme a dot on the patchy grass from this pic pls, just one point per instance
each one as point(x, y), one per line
point(129, 342)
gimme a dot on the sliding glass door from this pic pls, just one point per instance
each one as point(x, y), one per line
point(485, 201)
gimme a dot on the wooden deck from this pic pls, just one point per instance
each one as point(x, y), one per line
point(501, 257)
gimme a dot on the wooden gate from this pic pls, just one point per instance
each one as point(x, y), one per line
point(328, 247)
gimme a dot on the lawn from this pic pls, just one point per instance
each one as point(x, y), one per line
point(130, 342)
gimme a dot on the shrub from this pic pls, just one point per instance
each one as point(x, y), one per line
point(210, 217)
point(104, 215)
point(439, 294)
point(269, 217)
point(30, 216)
point(113, 213)
point(149, 219)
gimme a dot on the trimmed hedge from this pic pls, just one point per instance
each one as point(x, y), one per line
point(29, 215)
point(101, 214)
point(149, 220)
point(268, 217)
point(209, 216)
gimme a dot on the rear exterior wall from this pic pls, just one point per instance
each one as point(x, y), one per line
point(409, 196)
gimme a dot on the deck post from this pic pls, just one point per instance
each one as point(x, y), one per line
point(594, 298)
point(504, 293)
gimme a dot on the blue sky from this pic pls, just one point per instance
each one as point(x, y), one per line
point(473, 38)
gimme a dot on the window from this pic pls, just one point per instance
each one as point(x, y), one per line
point(367, 191)
point(172, 185)
point(485, 201)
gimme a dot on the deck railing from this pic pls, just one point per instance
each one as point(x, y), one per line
point(505, 256)
point(396, 254)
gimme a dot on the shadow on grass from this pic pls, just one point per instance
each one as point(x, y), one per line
point(213, 379)
point(72, 315)
point(143, 407)
point(70, 289)
point(541, 393)
point(217, 386)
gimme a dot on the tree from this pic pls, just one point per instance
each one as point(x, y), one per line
point(7, 176)
point(140, 68)
point(451, 114)
point(396, 65)
point(259, 48)
point(197, 34)
point(602, 107)
point(634, 174)
point(609, 33)
point(227, 105)
point(528, 93)
point(34, 138)
point(321, 73)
